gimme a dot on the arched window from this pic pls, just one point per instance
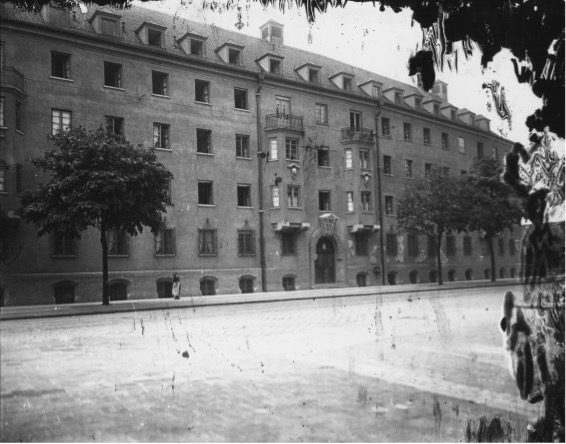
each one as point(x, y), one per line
point(247, 284)
point(362, 279)
point(487, 273)
point(432, 276)
point(289, 283)
point(469, 274)
point(452, 275)
point(64, 292)
point(208, 286)
point(414, 277)
point(513, 272)
point(118, 290)
point(164, 288)
point(502, 273)
point(392, 278)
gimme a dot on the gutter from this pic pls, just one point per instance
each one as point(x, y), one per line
point(378, 196)
point(261, 155)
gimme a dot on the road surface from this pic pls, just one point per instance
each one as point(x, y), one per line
point(416, 367)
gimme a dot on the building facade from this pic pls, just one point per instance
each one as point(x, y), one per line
point(287, 165)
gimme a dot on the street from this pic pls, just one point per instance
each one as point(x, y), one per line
point(410, 369)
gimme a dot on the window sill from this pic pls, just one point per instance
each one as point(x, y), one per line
point(114, 88)
point(295, 208)
point(165, 255)
point(324, 167)
point(324, 211)
point(163, 149)
point(275, 208)
point(323, 123)
point(244, 208)
point(348, 169)
point(20, 132)
point(206, 205)
point(61, 78)
point(366, 212)
point(119, 255)
point(198, 102)
point(161, 96)
point(272, 160)
point(388, 174)
point(205, 154)
point(3, 128)
point(208, 255)
point(246, 254)
point(243, 109)
point(63, 256)
point(293, 160)
point(244, 158)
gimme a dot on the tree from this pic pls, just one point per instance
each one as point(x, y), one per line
point(432, 207)
point(100, 180)
point(491, 208)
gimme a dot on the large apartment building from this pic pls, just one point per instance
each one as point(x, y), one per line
point(287, 165)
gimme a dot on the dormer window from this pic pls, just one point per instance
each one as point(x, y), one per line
point(192, 44)
point(273, 33)
point(398, 98)
point(418, 102)
point(274, 66)
point(108, 26)
point(436, 109)
point(154, 37)
point(453, 114)
point(347, 84)
point(197, 47)
point(313, 75)
point(105, 22)
point(234, 56)
point(375, 91)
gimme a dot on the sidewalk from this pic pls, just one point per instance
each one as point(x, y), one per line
point(388, 291)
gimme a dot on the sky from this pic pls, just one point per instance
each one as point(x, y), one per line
point(361, 35)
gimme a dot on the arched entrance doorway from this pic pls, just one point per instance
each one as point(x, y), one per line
point(324, 264)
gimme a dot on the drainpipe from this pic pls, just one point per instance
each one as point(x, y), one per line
point(261, 155)
point(378, 197)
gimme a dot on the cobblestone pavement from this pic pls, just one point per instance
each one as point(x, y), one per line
point(332, 370)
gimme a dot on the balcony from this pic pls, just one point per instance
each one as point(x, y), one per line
point(357, 134)
point(284, 121)
point(12, 78)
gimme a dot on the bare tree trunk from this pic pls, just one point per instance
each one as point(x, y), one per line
point(105, 297)
point(439, 259)
point(489, 240)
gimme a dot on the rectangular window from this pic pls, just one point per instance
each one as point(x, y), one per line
point(407, 132)
point(154, 37)
point(108, 26)
point(288, 244)
point(426, 136)
point(203, 141)
point(418, 102)
point(244, 195)
point(313, 75)
point(167, 189)
point(461, 145)
point(291, 149)
point(2, 112)
point(201, 91)
point(450, 246)
point(355, 120)
point(361, 244)
point(500, 247)
point(19, 126)
point(165, 242)
point(321, 113)
point(160, 135)
point(348, 153)
point(323, 156)
point(234, 56)
point(242, 146)
point(293, 196)
point(324, 200)
point(436, 108)
point(197, 47)
point(385, 129)
point(275, 196)
point(246, 243)
point(445, 141)
point(365, 198)
point(60, 65)
point(413, 241)
point(240, 98)
point(118, 242)
point(479, 149)
point(427, 170)
point(375, 91)
point(282, 105)
point(60, 120)
point(113, 74)
point(364, 159)
point(64, 244)
point(18, 178)
point(391, 244)
point(467, 246)
point(389, 209)
point(205, 192)
point(387, 165)
point(207, 245)
point(408, 169)
point(398, 98)
point(159, 83)
point(273, 149)
point(115, 125)
point(274, 66)
point(453, 114)
point(347, 84)
point(350, 201)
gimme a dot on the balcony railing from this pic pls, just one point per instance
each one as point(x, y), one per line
point(11, 77)
point(284, 121)
point(357, 134)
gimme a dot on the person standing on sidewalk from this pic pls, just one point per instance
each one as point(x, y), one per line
point(176, 286)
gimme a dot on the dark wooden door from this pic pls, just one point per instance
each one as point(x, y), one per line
point(324, 267)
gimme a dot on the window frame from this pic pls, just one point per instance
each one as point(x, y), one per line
point(348, 160)
point(245, 197)
point(64, 245)
point(113, 72)
point(387, 165)
point(61, 120)
point(389, 205)
point(364, 157)
point(323, 157)
point(288, 244)
point(445, 142)
point(386, 127)
point(63, 58)
point(321, 113)
point(273, 148)
point(350, 207)
point(293, 196)
point(241, 95)
point(160, 83)
point(168, 248)
point(246, 242)
point(324, 200)
point(111, 122)
point(409, 170)
point(163, 136)
point(365, 201)
point(426, 136)
point(207, 134)
point(361, 244)
point(243, 146)
point(205, 196)
point(407, 132)
point(291, 148)
point(151, 34)
point(211, 243)
point(275, 196)
point(202, 90)
point(113, 241)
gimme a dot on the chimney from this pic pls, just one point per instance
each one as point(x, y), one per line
point(441, 90)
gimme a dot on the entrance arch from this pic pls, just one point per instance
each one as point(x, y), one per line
point(325, 262)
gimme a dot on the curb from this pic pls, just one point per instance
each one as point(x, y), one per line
point(93, 308)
